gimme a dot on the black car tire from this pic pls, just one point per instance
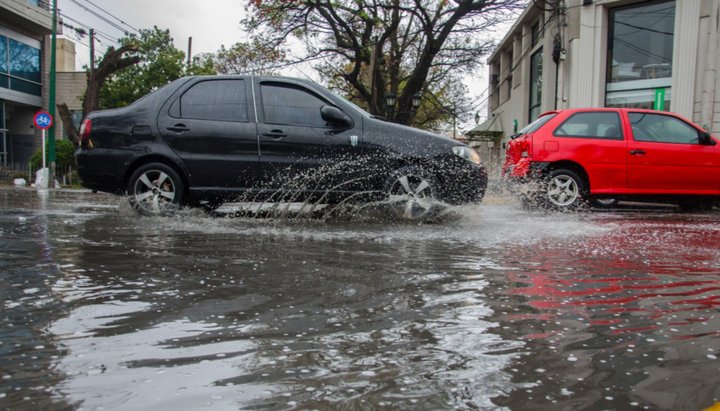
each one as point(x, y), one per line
point(604, 202)
point(155, 189)
point(564, 190)
point(695, 206)
point(413, 194)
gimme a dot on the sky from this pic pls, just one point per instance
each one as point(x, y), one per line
point(210, 23)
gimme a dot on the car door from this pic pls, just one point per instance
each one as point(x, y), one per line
point(299, 151)
point(666, 155)
point(208, 125)
point(595, 140)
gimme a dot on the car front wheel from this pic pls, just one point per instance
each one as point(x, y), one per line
point(412, 194)
point(155, 189)
point(564, 190)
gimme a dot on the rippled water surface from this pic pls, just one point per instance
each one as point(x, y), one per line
point(494, 308)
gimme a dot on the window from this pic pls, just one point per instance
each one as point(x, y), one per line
point(663, 129)
point(640, 52)
point(19, 66)
point(535, 83)
point(591, 125)
point(291, 105)
point(4, 80)
point(24, 65)
point(222, 100)
point(535, 33)
point(535, 125)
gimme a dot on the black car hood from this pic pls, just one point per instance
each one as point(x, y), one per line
point(405, 140)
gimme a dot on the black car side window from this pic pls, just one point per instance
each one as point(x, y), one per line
point(601, 125)
point(221, 100)
point(291, 105)
point(662, 128)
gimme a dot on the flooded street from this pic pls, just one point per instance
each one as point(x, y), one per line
point(497, 308)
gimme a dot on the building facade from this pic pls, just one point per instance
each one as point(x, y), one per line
point(23, 27)
point(658, 54)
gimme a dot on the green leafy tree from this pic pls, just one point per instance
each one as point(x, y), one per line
point(253, 57)
point(160, 63)
point(371, 48)
point(64, 155)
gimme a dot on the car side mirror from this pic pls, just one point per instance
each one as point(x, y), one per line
point(335, 117)
point(706, 139)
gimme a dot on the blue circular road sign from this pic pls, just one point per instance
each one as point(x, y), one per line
point(43, 120)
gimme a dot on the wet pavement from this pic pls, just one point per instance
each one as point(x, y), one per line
point(495, 308)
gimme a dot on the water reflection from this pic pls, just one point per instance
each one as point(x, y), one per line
point(498, 308)
point(630, 315)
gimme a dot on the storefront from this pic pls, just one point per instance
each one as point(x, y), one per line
point(640, 55)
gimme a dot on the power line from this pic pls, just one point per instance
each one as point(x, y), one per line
point(113, 16)
point(87, 27)
point(101, 17)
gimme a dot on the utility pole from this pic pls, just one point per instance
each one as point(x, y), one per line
point(92, 53)
point(189, 59)
point(51, 103)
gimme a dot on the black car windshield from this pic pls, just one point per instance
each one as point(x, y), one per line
point(539, 122)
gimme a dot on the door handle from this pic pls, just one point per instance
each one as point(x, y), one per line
point(178, 128)
point(637, 152)
point(275, 134)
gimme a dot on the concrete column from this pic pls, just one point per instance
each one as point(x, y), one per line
point(587, 56)
point(685, 55)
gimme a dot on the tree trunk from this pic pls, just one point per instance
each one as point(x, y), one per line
point(68, 125)
point(111, 62)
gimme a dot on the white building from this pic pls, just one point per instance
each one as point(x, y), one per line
point(658, 54)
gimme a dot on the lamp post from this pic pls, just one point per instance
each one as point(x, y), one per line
point(390, 99)
point(417, 99)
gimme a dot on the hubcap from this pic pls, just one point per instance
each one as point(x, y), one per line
point(416, 193)
point(563, 190)
point(154, 191)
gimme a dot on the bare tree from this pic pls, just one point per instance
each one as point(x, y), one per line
point(114, 60)
point(375, 47)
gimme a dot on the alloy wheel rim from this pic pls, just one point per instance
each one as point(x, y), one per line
point(416, 193)
point(154, 191)
point(563, 190)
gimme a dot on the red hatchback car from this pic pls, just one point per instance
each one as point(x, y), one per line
point(580, 156)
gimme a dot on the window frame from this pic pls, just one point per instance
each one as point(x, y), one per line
point(619, 124)
point(27, 85)
point(538, 91)
point(635, 93)
point(175, 109)
point(294, 86)
point(661, 114)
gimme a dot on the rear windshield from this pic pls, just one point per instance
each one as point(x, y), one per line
point(536, 124)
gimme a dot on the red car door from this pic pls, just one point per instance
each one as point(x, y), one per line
point(666, 156)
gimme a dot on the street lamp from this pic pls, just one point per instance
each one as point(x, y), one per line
point(390, 100)
point(416, 101)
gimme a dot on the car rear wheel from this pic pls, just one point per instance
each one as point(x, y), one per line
point(412, 194)
point(155, 189)
point(564, 190)
point(696, 206)
point(604, 202)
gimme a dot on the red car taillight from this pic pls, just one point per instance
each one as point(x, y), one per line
point(85, 130)
point(526, 147)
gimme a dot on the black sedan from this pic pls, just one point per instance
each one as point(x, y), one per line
point(208, 139)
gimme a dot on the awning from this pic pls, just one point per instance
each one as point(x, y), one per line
point(489, 130)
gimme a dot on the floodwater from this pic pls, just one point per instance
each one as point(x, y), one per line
point(496, 308)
